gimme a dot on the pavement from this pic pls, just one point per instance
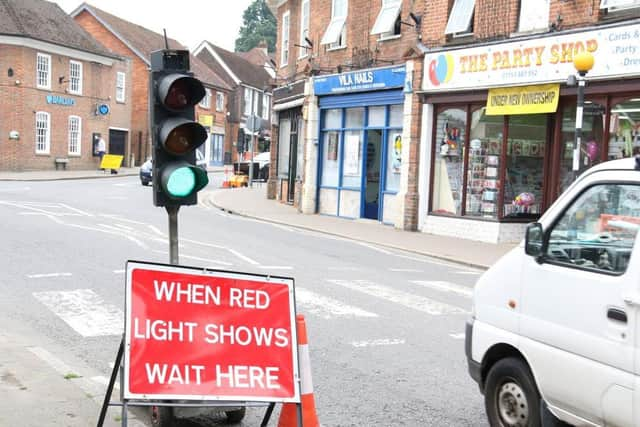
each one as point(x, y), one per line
point(37, 390)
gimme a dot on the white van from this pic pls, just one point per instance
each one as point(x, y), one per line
point(554, 335)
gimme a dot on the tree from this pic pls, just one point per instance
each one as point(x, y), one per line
point(258, 24)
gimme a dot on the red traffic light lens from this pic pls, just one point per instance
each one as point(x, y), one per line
point(179, 92)
point(179, 136)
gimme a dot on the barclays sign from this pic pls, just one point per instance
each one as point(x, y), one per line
point(60, 100)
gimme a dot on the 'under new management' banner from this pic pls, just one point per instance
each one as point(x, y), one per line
point(523, 100)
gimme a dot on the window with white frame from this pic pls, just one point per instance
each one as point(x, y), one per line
point(75, 134)
point(304, 28)
point(614, 5)
point(461, 17)
point(256, 99)
point(206, 101)
point(534, 15)
point(388, 21)
point(219, 101)
point(247, 101)
point(284, 48)
point(43, 71)
point(266, 104)
point(75, 77)
point(120, 86)
point(43, 132)
point(335, 34)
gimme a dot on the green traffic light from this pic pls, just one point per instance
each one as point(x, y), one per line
point(181, 182)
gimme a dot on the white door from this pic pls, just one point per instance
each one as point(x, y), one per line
point(577, 332)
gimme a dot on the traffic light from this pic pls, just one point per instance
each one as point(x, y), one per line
point(174, 93)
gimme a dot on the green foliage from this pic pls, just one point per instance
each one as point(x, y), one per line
point(258, 24)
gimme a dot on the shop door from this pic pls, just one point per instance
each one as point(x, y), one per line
point(117, 140)
point(592, 147)
point(372, 173)
point(293, 159)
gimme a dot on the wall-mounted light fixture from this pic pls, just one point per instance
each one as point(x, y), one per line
point(10, 72)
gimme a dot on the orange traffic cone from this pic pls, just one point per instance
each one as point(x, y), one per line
point(288, 415)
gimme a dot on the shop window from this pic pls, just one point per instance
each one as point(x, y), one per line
point(526, 145)
point(598, 230)
point(335, 34)
point(354, 118)
point(624, 130)
point(333, 119)
point(330, 155)
point(352, 159)
point(43, 132)
point(616, 5)
point(376, 116)
point(396, 113)
point(591, 143)
point(534, 15)
point(75, 134)
point(388, 21)
point(460, 21)
point(284, 47)
point(304, 29)
point(75, 77)
point(448, 161)
point(483, 172)
point(394, 159)
point(284, 141)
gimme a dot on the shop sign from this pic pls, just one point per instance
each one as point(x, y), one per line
point(523, 100)
point(361, 80)
point(542, 60)
point(60, 100)
point(198, 334)
point(205, 120)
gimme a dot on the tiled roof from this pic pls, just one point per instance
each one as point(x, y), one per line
point(145, 41)
point(248, 73)
point(46, 21)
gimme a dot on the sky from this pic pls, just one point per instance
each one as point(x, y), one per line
point(188, 21)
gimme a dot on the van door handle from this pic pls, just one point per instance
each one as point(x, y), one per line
point(617, 314)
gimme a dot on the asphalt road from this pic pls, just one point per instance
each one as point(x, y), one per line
point(385, 327)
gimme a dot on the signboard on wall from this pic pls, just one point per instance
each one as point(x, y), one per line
point(195, 334)
point(539, 60)
point(359, 81)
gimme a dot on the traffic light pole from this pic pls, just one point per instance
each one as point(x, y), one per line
point(173, 234)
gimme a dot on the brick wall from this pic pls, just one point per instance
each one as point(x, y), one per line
point(138, 81)
point(362, 50)
point(21, 93)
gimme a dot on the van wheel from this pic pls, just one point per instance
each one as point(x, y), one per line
point(236, 416)
point(511, 396)
point(162, 416)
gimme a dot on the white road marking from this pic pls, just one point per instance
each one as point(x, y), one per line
point(344, 269)
point(123, 227)
point(246, 258)
point(374, 248)
point(327, 308)
point(415, 302)
point(212, 261)
point(45, 275)
point(457, 336)
point(406, 270)
point(84, 311)
point(81, 212)
point(119, 271)
point(468, 272)
point(156, 230)
point(276, 267)
point(119, 218)
point(209, 245)
point(377, 343)
point(443, 286)
point(15, 190)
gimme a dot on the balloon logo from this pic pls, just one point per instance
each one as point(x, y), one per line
point(592, 150)
point(441, 69)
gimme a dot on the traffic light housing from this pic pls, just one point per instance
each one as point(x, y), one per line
point(174, 93)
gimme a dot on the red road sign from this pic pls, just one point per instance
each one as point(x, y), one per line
point(194, 334)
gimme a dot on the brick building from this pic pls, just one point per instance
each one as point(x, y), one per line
point(59, 90)
point(348, 119)
point(136, 42)
point(499, 118)
point(250, 96)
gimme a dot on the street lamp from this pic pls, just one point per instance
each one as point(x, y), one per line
point(583, 62)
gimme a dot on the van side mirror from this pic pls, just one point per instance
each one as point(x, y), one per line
point(534, 240)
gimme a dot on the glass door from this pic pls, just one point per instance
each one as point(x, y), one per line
point(372, 185)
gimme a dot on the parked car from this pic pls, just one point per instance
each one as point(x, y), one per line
point(554, 335)
point(147, 168)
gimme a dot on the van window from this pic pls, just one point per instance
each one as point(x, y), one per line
point(598, 230)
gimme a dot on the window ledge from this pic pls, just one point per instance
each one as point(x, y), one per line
point(305, 56)
point(332, 49)
point(74, 155)
point(529, 32)
point(388, 38)
point(43, 153)
point(43, 87)
point(120, 102)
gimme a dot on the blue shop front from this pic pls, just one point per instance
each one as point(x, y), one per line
point(360, 143)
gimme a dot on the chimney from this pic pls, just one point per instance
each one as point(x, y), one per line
point(264, 46)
